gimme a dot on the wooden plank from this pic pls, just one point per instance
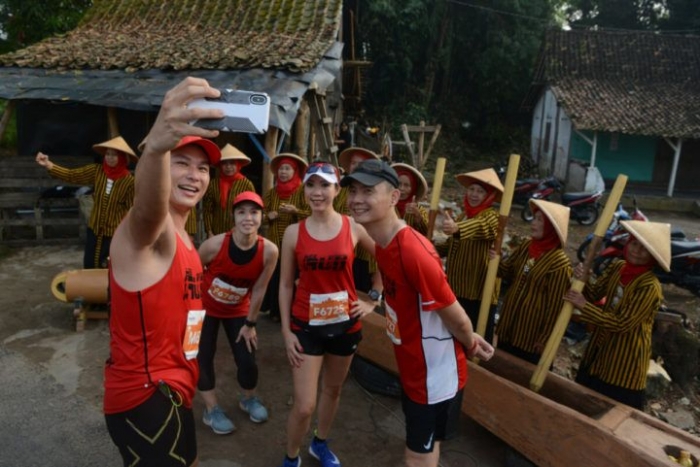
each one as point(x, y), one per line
point(32, 221)
point(376, 345)
point(422, 128)
point(564, 424)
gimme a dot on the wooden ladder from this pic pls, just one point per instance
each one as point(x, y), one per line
point(322, 125)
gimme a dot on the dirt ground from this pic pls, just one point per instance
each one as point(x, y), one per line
point(52, 390)
point(38, 330)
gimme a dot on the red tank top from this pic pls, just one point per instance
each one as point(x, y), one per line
point(326, 287)
point(227, 285)
point(147, 330)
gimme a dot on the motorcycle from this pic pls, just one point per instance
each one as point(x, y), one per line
point(545, 189)
point(685, 261)
point(615, 233)
point(685, 266)
point(616, 237)
point(584, 206)
point(524, 187)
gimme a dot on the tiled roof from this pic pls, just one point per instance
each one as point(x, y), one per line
point(191, 35)
point(628, 82)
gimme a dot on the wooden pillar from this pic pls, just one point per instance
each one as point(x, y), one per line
point(113, 123)
point(674, 170)
point(9, 109)
point(271, 150)
point(301, 129)
point(421, 142)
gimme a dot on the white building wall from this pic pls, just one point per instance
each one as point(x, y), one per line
point(550, 136)
point(562, 146)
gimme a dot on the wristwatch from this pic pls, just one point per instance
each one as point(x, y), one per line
point(374, 294)
point(250, 324)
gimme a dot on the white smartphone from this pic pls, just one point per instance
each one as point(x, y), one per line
point(245, 111)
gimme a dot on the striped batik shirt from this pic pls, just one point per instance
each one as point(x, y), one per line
point(217, 219)
point(467, 252)
point(108, 209)
point(534, 297)
point(620, 346)
point(419, 223)
point(276, 227)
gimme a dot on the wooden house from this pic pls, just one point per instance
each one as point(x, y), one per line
point(109, 75)
point(623, 102)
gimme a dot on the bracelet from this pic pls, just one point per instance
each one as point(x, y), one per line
point(472, 348)
point(250, 324)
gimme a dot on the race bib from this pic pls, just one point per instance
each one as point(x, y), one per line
point(392, 325)
point(195, 319)
point(226, 293)
point(329, 308)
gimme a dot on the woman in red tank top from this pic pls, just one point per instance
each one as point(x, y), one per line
point(320, 322)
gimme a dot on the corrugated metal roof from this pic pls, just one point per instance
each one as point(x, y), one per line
point(628, 82)
point(144, 90)
point(135, 35)
point(128, 53)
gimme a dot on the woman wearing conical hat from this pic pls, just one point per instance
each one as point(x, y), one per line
point(538, 273)
point(113, 194)
point(470, 238)
point(228, 182)
point(413, 188)
point(284, 205)
point(616, 360)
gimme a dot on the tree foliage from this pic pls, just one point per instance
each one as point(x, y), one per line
point(468, 63)
point(24, 22)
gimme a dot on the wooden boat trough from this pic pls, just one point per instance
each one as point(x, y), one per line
point(565, 424)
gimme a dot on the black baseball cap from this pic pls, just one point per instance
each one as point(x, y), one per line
point(371, 172)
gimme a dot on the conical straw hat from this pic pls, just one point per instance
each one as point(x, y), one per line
point(487, 176)
point(345, 156)
point(232, 153)
point(117, 144)
point(279, 158)
point(422, 187)
point(558, 216)
point(656, 238)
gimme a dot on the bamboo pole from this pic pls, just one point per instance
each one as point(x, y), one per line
point(550, 349)
point(435, 199)
point(491, 272)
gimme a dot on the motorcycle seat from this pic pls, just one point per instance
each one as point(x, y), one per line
point(677, 233)
point(568, 198)
point(683, 246)
point(527, 181)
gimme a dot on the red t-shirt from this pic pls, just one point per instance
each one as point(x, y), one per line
point(227, 285)
point(432, 364)
point(326, 286)
point(148, 333)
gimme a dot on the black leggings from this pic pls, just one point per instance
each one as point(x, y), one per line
point(157, 433)
point(96, 250)
point(247, 374)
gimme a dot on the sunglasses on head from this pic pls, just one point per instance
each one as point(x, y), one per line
point(324, 167)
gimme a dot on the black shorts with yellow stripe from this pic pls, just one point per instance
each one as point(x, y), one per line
point(157, 433)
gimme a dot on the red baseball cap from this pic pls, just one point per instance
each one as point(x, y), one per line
point(209, 147)
point(249, 196)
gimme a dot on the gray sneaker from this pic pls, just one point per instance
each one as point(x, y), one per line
point(253, 407)
point(218, 421)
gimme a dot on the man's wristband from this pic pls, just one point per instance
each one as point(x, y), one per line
point(250, 324)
